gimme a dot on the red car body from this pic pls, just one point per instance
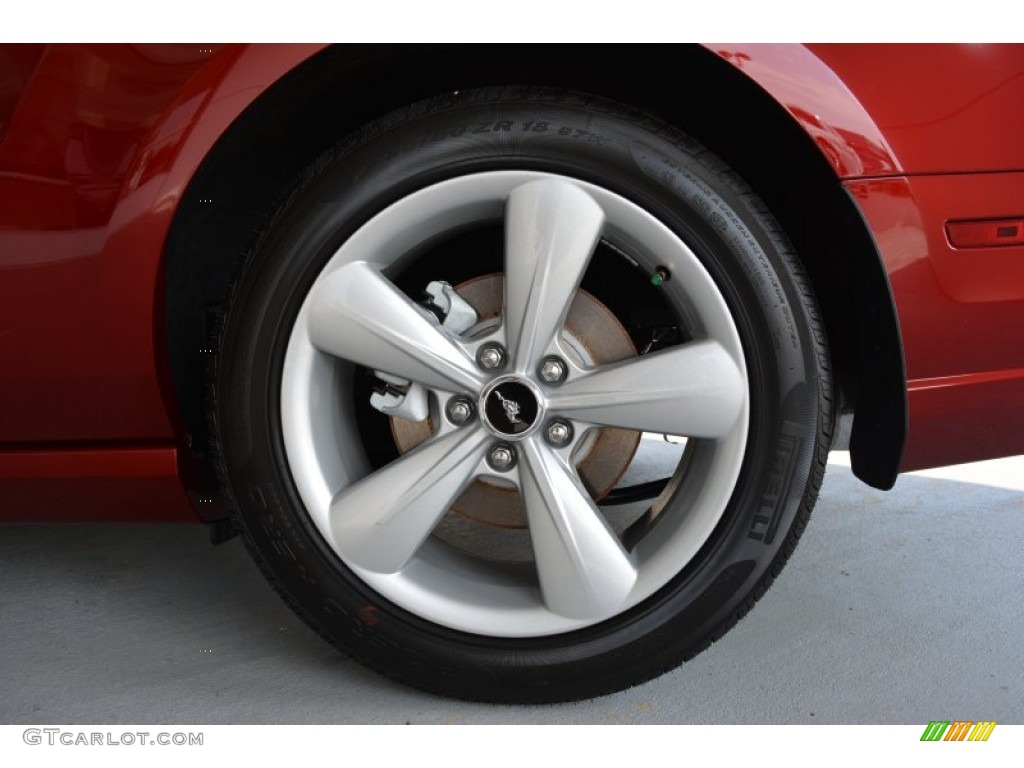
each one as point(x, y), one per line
point(117, 179)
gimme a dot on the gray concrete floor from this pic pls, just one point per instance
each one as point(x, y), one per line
point(898, 607)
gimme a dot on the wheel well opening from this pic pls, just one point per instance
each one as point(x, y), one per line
point(342, 88)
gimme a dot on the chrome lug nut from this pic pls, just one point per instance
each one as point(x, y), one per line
point(490, 357)
point(459, 410)
point(502, 457)
point(552, 370)
point(558, 433)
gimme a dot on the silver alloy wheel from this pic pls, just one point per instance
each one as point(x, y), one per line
point(379, 522)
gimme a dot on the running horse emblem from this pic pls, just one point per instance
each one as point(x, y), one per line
point(511, 408)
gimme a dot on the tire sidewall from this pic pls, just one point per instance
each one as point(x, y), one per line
point(639, 159)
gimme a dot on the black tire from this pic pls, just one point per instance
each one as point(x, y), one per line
point(702, 203)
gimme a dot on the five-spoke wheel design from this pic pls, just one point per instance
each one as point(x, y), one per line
point(513, 401)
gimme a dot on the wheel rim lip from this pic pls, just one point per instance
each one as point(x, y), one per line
point(324, 455)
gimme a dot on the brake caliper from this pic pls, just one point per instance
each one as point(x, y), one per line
point(404, 399)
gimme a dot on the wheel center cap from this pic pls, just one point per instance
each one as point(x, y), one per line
point(511, 407)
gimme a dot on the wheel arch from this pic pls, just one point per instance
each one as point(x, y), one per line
point(793, 165)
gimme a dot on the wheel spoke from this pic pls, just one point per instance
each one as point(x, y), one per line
point(380, 522)
point(359, 315)
point(551, 228)
point(696, 390)
point(584, 572)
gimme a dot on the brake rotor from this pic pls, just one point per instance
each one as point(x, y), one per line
point(595, 337)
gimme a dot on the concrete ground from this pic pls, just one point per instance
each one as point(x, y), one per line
point(900, 607)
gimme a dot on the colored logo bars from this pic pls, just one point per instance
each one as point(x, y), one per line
point(959, 730)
